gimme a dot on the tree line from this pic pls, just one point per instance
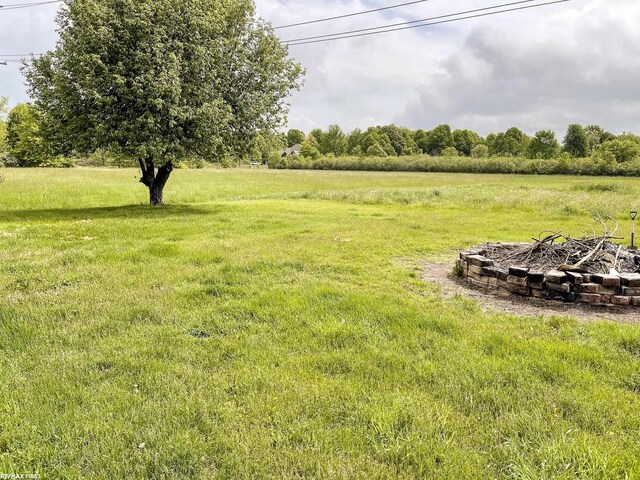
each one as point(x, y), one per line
point(393, 141)
point(22, 144)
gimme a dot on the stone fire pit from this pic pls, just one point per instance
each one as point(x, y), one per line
point(596, 271)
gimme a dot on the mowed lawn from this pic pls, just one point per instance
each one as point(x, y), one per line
point(274, 324)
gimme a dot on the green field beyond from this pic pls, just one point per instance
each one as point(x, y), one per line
point(274, 324)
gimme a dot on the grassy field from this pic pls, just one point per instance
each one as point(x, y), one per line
point(273, 324)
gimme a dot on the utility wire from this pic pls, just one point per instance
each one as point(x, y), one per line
point(17, 6)
point(408, 23)
point(429, 24)
point(381, 29)
point(349, 15)
point(21, 55)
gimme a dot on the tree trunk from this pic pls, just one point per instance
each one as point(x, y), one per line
point(156, 196)
point(155, 181)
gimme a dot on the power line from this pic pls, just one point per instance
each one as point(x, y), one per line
point(21, 55)
point(429, 24)
point(349, 15)
point(378, 30)
point(408, 23)
point(17, 6)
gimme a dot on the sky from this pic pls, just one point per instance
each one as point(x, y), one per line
point(536, 69)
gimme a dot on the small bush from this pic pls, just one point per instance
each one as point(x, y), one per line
point(450, 152)
point(480, 151)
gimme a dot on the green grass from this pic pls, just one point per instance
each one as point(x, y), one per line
point(273, 324)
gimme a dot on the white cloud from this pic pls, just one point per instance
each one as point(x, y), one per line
point(29, 30)
point(577, 65)
point(539, 68)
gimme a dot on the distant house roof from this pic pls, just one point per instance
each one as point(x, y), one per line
point(295, 150)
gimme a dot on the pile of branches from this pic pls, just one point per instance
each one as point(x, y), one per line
point(555, 251)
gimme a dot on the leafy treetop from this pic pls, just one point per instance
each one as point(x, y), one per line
point(162, 79)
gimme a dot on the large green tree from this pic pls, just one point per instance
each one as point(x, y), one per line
point(544, 145)
point(576, 141)
point(512, 143)
point(333, 141)
point(596, 135)
point(295, 136)
point(354, 142)
point(162, 79)
point(439, 139)
point(421, 138)
point(465, 140)
point(401, 139)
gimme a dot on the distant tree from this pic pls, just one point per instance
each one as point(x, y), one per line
point(295, 136)
point(490, 140)
point(396, 139)
point(333, 141)
point(315, 137)
point(596, 135)
point(410, 147)
point(544, 145)
point(465, 140)
point(421, 138)
point(307, 150)
point(480, 151)
point(373, 137)
point(450, 152)
point(162, 79)
point(264, 145)
point(620, 150)
point(354, 142)
point(440, 138)
point(376, 150)
point(512, 143)
point(629, 136)
point(385, 143)
point(400, 139)
point(23, 137)
point(576, 142)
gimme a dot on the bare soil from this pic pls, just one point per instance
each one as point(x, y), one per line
point(440, 274)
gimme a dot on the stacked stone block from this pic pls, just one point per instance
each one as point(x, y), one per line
point(593, 289)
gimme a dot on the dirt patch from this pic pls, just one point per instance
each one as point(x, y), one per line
point(440, 274)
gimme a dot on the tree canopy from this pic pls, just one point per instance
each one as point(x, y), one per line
point(295, 136)
point(439, 139)
point(512, 143)
point(544, 145)
point(576, 142)
point(162, 79)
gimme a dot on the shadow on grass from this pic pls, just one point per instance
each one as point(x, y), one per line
point(100, 213)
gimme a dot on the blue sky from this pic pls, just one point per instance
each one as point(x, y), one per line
point(536, 69)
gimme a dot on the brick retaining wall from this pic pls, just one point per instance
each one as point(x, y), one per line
point(594, 289)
